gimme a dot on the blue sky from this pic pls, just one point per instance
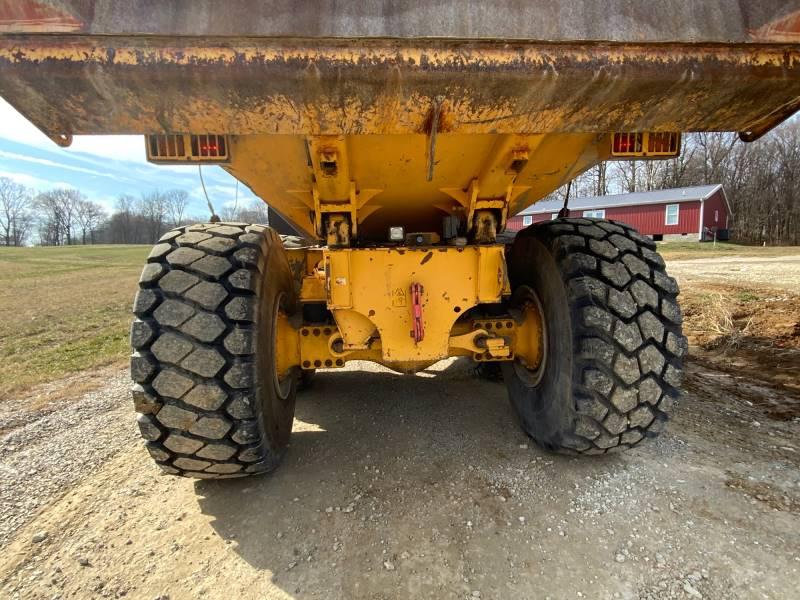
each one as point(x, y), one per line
point(103, 167)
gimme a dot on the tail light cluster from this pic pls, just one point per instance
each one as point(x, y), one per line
point(181, 148)
point(646, 144)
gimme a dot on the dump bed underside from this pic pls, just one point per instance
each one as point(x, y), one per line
point(136, 84)
point(100, 66)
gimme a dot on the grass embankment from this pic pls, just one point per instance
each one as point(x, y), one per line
point(64, 310)
point(689, 250)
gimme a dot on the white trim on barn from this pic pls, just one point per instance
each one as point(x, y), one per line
point(598, 213)
point(701, 228)
point(677, 206)
point(700, 231)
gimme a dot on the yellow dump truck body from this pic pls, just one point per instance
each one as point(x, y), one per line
point(402, 134)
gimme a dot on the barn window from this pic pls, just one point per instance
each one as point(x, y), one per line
point(527, 220)
point(595, 214)
point(554, 216)
point(716, 216)
point(671, 217)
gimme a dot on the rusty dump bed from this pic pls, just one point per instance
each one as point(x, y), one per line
point(381, 67)
point(139, 66)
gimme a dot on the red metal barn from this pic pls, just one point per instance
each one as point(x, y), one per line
point(690, 213)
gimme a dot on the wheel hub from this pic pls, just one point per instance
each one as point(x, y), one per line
point(530, 348)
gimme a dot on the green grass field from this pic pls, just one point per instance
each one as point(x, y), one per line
point(64, 310)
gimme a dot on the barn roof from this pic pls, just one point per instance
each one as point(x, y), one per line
point(684, 194)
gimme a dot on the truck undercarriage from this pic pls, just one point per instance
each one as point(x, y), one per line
point(400, 159)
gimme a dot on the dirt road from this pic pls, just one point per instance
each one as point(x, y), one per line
point(778, 272)
point(405, 487)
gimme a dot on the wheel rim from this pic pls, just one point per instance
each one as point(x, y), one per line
point(283, 387)
point(530, 357)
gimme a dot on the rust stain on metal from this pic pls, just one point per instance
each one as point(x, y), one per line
point(244, 85)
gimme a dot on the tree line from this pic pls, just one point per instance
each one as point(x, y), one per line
point(144, 219)
point(64, 216)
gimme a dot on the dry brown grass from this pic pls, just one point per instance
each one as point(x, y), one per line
point(717, 319)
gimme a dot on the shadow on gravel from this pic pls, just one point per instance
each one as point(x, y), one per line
point(376, 455)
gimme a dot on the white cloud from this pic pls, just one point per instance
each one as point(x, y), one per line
point(18, 129)
point(128, 148)
point(39, 184)
point(117, 158)
point(34, 182)
point(51, 163)
point(220, 190)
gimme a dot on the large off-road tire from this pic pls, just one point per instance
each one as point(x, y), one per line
point(209, 400)
point(612, 331)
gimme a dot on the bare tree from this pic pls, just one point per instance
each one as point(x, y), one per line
point(176, 202)
point(628, 174)
point(123, 227)
point(253, 212)
point(57, 209)
point(15, 213)
point(600, 173)
point(677, 171)
point(652, 175)
point(89, 215)
point(715, 150)
point(153, 209)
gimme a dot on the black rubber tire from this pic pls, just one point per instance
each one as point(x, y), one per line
point(488, 371)
point(305, 379)
point(613, 365)
point(209, 403)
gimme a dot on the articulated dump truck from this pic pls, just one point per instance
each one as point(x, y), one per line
point(396, 138)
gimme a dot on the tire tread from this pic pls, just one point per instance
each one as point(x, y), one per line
point(196, 292)
point(626, 332)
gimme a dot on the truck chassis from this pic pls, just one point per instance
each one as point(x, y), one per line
point(396, 138)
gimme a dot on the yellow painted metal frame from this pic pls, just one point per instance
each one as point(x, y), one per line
point(381, 180)
point(332, 190)
point(368, 291)
point(495, 339)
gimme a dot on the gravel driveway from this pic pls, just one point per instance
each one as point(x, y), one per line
point(776, 272)
point(407, 486)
